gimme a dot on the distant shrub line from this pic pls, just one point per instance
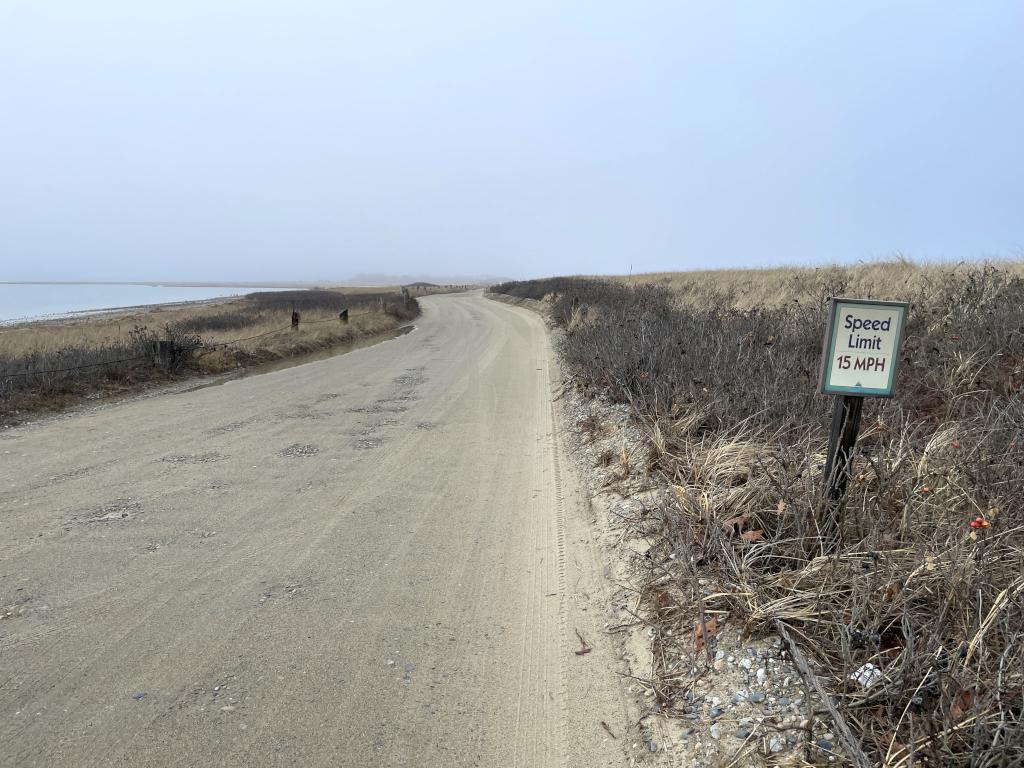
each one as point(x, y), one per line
point(259, 305)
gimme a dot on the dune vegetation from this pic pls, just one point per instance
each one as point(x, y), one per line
point(50, 365)
point(918, 572)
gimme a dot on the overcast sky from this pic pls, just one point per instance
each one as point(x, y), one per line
point(245, 139)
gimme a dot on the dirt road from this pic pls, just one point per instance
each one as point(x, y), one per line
point(358, 562)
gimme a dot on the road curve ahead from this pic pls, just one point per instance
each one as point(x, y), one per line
point(355, 562)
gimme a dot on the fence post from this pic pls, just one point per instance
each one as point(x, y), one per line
point(343, 316)
point(162, 354)
point(295, 320)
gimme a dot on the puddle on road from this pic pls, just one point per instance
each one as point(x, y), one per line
point(311, 357)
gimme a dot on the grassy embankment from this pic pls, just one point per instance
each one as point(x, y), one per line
point(775, 286)
point(920, 572)
point(50, 365)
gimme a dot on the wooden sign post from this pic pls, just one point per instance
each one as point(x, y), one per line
point(859, 359)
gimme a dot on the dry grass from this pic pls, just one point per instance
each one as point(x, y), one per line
point(919, 572)
point(776, 286)
point(110, 328)
point(318, 330)
point(110, 353)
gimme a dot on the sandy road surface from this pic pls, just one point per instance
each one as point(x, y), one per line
point(356, 562)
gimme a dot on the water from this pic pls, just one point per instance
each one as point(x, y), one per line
point(24, 302)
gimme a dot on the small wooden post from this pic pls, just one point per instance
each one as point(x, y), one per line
point(841, 442)
point(343, 316)
point(162, 354)
point(295, 320)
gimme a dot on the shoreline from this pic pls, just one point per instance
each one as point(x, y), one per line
point(241, 290)
point(76, 314)
point(282, 285)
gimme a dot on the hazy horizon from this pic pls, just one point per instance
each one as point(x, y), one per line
point(315, 141)
point(360, 279)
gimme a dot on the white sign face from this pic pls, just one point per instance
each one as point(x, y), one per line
point(862, 347)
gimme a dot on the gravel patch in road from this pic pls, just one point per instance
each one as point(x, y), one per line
point(193, 458)
point(300, 450)
point(116, 510)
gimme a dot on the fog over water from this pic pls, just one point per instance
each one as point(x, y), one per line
point(256, 140)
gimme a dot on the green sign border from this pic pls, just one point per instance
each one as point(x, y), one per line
point(829, 345)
